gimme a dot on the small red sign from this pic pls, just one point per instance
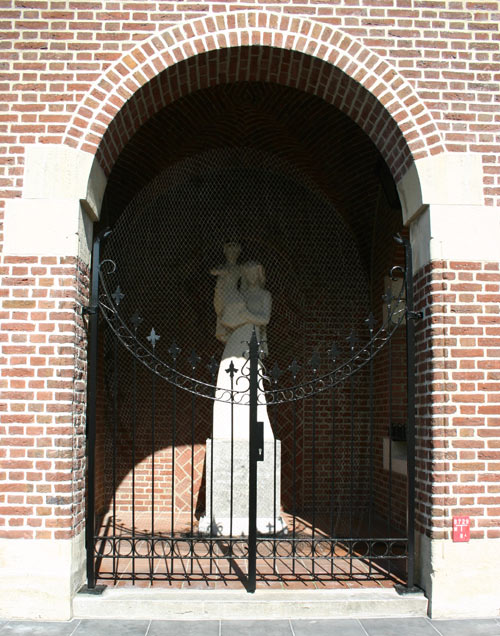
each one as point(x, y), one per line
point(461, 529)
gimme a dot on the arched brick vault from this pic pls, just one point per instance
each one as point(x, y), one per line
point(256, 46)
point(317, 140)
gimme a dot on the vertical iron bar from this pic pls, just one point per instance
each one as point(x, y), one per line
point(212, 520)
point(193, 415)
point(252, 474)
point(313, 520)
point(172, 486)
point(231, 372)
point(114, 439)
point(410, 372)
point(212, 367)
point(275, 511)
point(371, 406)
point(294, 476)
point(93, 312)
point(351, 493)
point(389, 502)
point(153, 444)
point(134, 424)
point(332, 496)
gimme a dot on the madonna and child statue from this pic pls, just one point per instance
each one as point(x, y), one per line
point(241, 305)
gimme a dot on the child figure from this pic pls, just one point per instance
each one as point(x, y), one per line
point(228, 301)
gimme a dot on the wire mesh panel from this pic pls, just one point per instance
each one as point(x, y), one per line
point(152, 465)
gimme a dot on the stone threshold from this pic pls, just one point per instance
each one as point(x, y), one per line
point(116, 603)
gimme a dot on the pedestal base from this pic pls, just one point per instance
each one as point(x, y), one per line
point(222, 526)
point(229, 500)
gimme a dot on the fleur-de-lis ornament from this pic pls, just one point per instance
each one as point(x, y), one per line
point(117, 295)
point(213, 366)
point(276, 373)
point(315, 361)
point(232, 370)
point(153, 338)
point(174, 351)
point(294, 368)
point(333, 352)
point(194, 359)
point(136, 320)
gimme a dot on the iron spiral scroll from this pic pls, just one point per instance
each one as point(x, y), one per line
point(127, 333)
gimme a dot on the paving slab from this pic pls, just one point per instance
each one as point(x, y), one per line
point(256, 628)
point(468, 627)
point(38, 628)
point(184, 628)
point(398, 627)
point(328, 627)
point(88, 627)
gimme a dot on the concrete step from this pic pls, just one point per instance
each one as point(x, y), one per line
point(237, 604)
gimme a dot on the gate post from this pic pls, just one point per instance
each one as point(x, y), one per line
point(93, 312)
point(252, 476)
point(411, 316)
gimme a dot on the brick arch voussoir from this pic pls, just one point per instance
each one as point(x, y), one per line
point(370, 90)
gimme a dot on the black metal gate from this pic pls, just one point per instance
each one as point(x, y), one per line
point(337, 524)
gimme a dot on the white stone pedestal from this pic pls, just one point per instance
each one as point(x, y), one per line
point(217, 519)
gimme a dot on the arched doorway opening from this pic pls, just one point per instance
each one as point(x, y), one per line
point(306, 194)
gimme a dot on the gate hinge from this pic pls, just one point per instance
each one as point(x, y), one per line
point(90, 310)
point(415, 315)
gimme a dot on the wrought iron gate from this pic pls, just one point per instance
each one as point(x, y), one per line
point(330, 531)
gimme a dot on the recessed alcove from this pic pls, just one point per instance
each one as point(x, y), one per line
point(300, 187)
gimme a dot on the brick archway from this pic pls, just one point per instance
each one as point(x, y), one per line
point(256, 46)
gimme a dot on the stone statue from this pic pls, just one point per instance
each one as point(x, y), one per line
point(243, 310)
point(242, 304)
point(227, 298)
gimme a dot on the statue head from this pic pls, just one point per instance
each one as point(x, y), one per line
point(232, 250)
point(253, 275)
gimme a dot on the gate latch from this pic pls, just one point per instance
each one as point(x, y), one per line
point(260, 441)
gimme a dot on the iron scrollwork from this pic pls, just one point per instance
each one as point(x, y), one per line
point(109, 303)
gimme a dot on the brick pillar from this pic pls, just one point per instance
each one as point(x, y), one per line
point(455, 240)
point(44, 284)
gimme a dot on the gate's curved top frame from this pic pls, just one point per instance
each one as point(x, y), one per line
point(125, 329)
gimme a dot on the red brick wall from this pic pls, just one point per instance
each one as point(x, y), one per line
point(43, 386)
point(458, 398)
point(446, 54)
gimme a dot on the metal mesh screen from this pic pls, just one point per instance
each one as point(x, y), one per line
point(172, 233)
point(164, 245)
